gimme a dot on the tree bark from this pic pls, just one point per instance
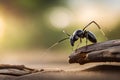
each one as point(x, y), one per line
point(108, 51)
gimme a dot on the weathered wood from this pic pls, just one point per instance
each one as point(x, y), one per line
point(108, 51)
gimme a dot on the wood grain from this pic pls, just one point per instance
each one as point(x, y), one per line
point(108, 51)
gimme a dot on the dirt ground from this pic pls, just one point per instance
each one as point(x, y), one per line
point(56, 67)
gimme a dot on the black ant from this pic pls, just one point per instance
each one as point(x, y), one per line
point(79, 34)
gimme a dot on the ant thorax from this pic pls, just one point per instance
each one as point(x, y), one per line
point(78, 33)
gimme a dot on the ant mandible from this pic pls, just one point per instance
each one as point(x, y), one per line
point(79, 34)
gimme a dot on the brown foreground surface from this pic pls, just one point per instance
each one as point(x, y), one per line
point(101, 72)
point(56, 67)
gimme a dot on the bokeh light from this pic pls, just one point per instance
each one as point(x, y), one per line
point(1, 27)
point(60, 17)
point(39, 24)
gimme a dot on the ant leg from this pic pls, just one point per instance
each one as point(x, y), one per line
point(86, 40)
point(97, 26)
point(72, 48)
point(79, 43)
point(86, 43)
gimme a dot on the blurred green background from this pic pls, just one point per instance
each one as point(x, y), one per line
point(37, 24)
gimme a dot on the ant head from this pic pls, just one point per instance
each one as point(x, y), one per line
point(76, 35)
point(73, 38)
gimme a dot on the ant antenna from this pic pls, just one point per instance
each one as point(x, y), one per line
point(58, 43)
point(66, 33)
point(97, 26)
point(60, 40)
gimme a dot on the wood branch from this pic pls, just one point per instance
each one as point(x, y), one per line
point(15, 70)
point(108, 51)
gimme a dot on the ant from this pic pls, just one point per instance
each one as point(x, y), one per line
point(80, 34)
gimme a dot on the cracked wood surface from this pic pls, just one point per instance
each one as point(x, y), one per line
point(108, 51)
